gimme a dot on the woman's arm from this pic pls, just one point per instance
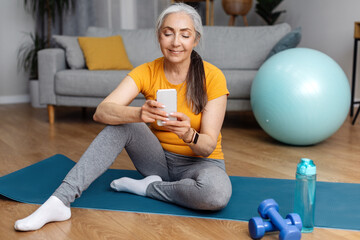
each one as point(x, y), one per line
point(114, 108)
point(211, 123)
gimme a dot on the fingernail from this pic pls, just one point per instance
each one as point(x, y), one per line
point(163, 122)
point(171, 114)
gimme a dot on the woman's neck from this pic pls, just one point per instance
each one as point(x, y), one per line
point(176, 73)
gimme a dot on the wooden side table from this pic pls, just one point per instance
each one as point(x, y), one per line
point(209, 9)
point(353, 102)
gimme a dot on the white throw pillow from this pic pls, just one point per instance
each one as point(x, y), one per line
point(74, 56)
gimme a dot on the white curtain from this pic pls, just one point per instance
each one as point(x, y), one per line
point(76, 22)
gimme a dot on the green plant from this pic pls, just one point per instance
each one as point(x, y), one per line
point(45, 10)
point(27, 54)
point(265, 8)
point(41, 10)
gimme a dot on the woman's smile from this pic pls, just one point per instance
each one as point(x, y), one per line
point(176, 51)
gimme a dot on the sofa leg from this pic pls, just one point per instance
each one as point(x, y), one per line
point(51, 113)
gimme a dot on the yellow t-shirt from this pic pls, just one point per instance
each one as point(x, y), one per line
point(150, 77)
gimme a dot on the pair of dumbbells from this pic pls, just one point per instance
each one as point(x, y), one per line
point(290, 227)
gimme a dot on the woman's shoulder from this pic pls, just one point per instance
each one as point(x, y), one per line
point(211, 70)
point(152, 64)
point(156, 62)
point(209, 65)
point(215, 81)
point(148, 67)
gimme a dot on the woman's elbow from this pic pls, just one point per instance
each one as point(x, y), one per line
point(98, 115)
point(209, 150)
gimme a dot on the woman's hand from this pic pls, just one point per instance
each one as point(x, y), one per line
point(151, 111)
point(181, 127)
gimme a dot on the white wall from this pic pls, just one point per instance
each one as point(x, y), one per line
point(327, 25)
point(14, 21)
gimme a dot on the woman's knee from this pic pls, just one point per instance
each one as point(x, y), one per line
point(121, 130)
point(117, 128)
point(216, 190)
point(112, 129)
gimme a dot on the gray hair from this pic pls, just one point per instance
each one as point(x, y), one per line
point(181, 7)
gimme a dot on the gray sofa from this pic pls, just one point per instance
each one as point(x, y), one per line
point(237, 51)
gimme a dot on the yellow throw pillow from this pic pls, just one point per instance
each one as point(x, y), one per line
point(104, 53)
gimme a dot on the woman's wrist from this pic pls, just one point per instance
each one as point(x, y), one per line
point(189, 136)
point(194, 136)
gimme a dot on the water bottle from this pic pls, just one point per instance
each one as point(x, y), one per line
point(305, 193)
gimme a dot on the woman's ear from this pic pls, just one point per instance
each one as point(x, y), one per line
point(197, 40)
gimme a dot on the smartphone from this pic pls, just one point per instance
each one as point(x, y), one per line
point(168, 97)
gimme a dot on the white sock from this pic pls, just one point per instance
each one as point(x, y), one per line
point(134, 186)
point(53, 210)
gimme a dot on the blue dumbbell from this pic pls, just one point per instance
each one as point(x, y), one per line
point(258, 226)
point(269, 209)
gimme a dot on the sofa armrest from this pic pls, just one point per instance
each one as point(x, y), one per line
point(50, 61)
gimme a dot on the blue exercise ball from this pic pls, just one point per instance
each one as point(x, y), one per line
point(300, 96)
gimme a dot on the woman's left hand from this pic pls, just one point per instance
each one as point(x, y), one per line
point(181, 127)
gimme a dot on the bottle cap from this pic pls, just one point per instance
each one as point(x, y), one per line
point(306, 166)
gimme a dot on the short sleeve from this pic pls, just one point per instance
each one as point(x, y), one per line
point(215, 82)
point(140, 75)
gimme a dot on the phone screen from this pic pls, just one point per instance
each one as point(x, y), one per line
point(168, 97)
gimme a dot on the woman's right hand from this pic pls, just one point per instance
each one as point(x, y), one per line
point(152, 111)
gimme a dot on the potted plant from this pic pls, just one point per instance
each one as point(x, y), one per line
point(42, 10)
point(265, 8)
point(27, 60)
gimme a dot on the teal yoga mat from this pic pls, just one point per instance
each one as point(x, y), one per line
point(337, 204)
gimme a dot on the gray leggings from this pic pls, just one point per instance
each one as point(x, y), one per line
point(197, 183)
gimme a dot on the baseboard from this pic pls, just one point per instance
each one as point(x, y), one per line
point(14, 99)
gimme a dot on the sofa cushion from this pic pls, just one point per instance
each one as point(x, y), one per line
point(239, 83)
point(290, 40)
point(105, 53)
point(141, 45)
point(240, 47)
point(73, 54)
point(87, 83)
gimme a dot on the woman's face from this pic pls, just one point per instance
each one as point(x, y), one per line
point(177, 37)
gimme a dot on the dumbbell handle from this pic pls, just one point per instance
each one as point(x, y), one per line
point(276, 218)
point(269, 227)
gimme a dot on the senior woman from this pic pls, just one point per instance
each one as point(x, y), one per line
point(182, 161)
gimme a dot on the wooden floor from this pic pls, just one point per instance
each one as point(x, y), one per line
point(26, 138)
